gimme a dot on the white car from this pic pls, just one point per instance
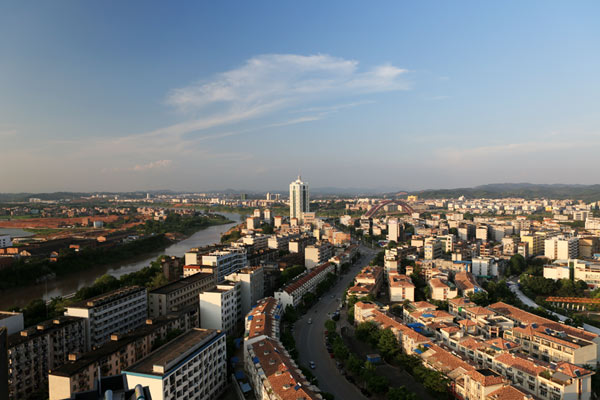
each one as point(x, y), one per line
point(312, 365)
point(310, 320)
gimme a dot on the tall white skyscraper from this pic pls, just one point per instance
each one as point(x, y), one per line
point(298, 199)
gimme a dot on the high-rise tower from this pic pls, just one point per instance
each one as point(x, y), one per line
point(298, 199)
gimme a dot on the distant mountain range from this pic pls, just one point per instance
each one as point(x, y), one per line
point(524, 190)
point(496, 190)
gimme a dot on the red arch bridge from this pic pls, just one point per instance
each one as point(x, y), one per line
point(373, 210)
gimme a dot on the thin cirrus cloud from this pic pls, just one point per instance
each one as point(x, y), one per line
point(262, 86)
point(151, 166)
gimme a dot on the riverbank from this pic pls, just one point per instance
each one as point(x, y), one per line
point(70, 283)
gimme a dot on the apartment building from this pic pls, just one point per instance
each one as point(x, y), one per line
point(221, 308)
point(256, 241)
point(561, 248)
point(401, 287)
point(252, 286)
point(179, 294)
point(465, 283)
point(370, 275)
point(226, 261)
point(588, 271)
point(556, 381)
point(485, 266)
point(442, 290)
point(557, 271)
point(317, 254)
point(274, 374)
point(119, 311)
point(548, 340)
point(262, 321)
point(535, 243)
point(394, 228)
point(5, 241)
point(292, 293)
point(80, 373)
point(408, 339)
point(281, 242)
point(193, 367)
point(432, 249)
point(38, 349)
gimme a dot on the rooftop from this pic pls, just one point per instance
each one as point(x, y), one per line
point(182, 283)
point(161, 361)
point(107, 297)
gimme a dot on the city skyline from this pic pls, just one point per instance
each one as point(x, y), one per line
point(397, 96)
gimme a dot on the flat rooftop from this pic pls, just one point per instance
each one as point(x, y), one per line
point(7, 314)
point(107, 297)
point(182, 283)
point(167, 355)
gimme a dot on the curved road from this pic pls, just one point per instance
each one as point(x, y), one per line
point(513, 285)
point(310, 338)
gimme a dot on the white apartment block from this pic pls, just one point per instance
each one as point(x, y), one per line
point(441, 290)
point(252, 286)
point(226, 261)
point(257, 241)
point(394, 229)
point(481, 232)
point(485, 266)
point(119, 311)
point(281, 242)
point(193, 367)
point(401, 287)
point(220, 308)
point(175, 296)
point(587, 271)
point(292, 293)
point(447, 242)
point(317, 254)
point(592, 223)
point(557, 271)
point(299, 199)
point(561, 248)
point(252, 222)
point(5, 241)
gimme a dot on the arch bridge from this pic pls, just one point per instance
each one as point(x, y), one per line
point(373, 210)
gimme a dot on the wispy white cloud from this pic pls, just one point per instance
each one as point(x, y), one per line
point(264, 86)
point(153, 165)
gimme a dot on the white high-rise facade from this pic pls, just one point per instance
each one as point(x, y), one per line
point(298, 199)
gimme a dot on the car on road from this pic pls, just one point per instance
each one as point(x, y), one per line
point(310, 320)
point(312, 365)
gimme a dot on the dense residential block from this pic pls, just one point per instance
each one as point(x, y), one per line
point(119, 311)
point(193, 367)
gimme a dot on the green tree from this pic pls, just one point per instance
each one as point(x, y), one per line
point(354, 364)
point(330, 325)
point(387, 344)
point(377, 384)
point(517, 265)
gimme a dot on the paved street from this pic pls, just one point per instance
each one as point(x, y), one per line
point(310, 339)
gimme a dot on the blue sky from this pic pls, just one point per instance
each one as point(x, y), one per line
point(142, 95)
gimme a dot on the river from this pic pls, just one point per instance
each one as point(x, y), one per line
point(71, 283)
